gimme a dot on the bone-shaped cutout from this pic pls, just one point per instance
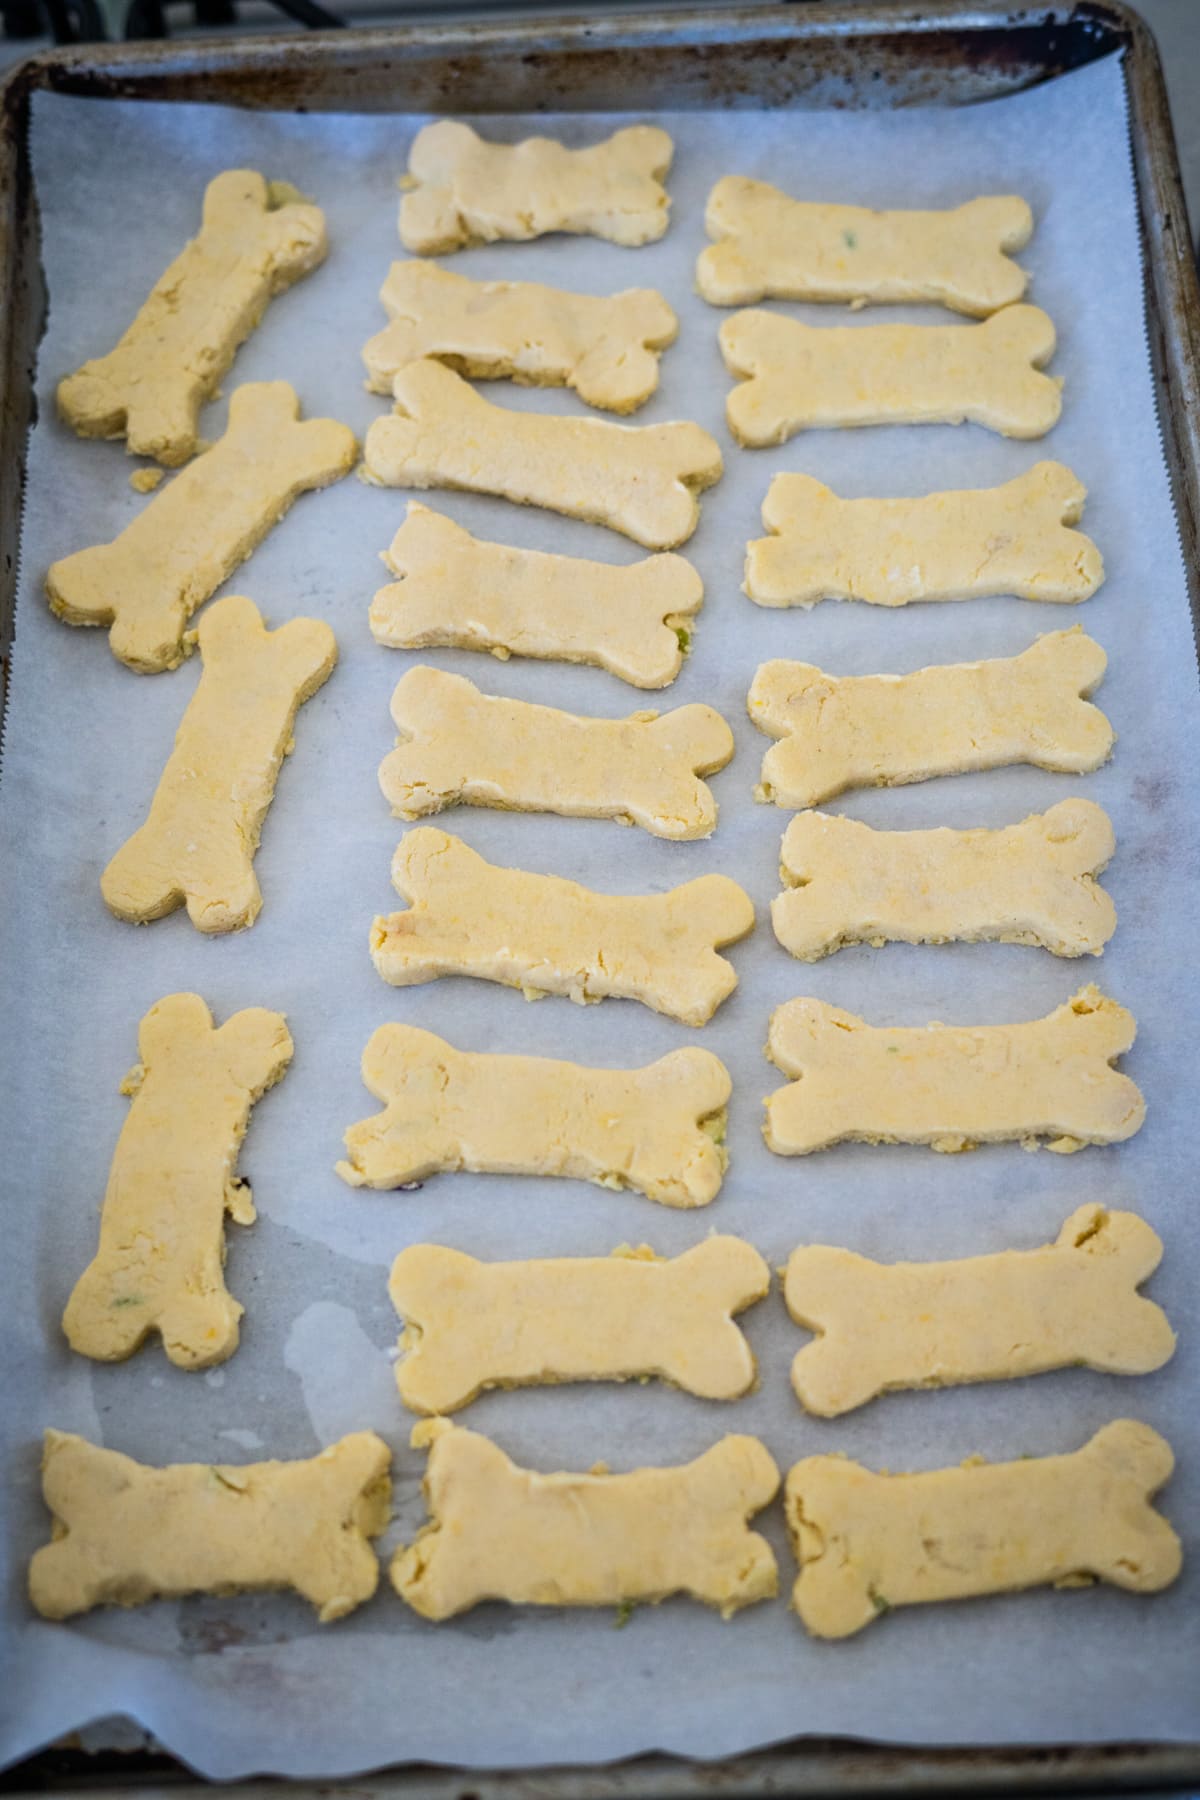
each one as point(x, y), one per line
point(1032, 883)
point(641, 480)
point(605, 347)
point(460, 591)
point(124, 1533)
point(952, 1086)
point(657, 1130)
point(149, 581)
point(500, 1532)
point(853, 731)
point(866, 1542)
point(160, 1263)
point(458, 746)
point(796, 377)
point(464, 190)
point(771, 247)
point(885, 1326)
point(198, 843)
point(546, 935)
point(472, 1325)
point(962, 545)
point(256, 239)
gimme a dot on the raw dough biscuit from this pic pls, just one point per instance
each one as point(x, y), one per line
point(464, 190)
point(545, 935)
point(149, 581)
point(800, 376)
point(198, 843)
point(962, 545)
point(952, 1086)
point(457, 590)
point(499, 1532)
point(884, 1326)
point(604, 347)
point(641, 480)
point(658, 1130)
point(868, 1542)
point(173, 1178)
point(772, 247)
point(124, 1533)
point(257, 238)
point(457, 746)
point(472, 1325)
point(853, 731)
point(1031, 883)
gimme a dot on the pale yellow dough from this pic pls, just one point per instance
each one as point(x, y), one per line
point(605, 347)
point(884, 1326)
point(499, 1532)
point(198, 843)
point(641, 480)
point(467, 191)
point(795, 377)
point(149, 581)
point(1032, 883)
point(256, 239)
point(657, 1130)
point(457, 745)
point(962, 545)
point(853, 731)
point(545, 935)
point(472, 1325)
point(457, 590)
point(868, 1542)
point(771, 247)
point(124, 1533)
point(952, 1086)
point(160, 1263)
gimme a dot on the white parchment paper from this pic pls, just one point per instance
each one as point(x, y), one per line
point(252, 1684)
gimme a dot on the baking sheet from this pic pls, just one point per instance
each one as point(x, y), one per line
point(235, 1686)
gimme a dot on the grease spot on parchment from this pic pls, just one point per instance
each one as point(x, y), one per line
point(347, 1381)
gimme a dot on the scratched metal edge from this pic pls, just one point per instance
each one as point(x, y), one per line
point(935, 46)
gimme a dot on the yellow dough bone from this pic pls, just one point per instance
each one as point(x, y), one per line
point(867, 1542)
point(545, 935)
point(499, 1532)
point(125, 1533)
point(472, 1325)
point(149, 581)
point(256, 240)
point(657, 1130)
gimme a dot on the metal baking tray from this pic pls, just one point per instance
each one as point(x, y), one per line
point(868, 55)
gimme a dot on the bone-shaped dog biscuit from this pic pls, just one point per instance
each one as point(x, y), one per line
point(198, 843)
point(771, 247)
point(471, 1325)
point(657, 1130)
point(796, 377)
point(851, 731)
point(641, 480)
point(952, 1086)
point(467, 191)
point(161, 1258)
point(604, 347)
point(458, 745)
point(499, 1532)
point(457, 590)
point(1032, 883)
point(868, 1542)
point(884, 1326)
point(125, 1533)
point(149, 581)
point(545, 935)
point(962, 545)
point(256, 239)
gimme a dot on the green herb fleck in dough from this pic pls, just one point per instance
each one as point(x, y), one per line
point(624, 1614)
point(684, 637)
point(130, 1300)
point(879, 1601)
point(850, 241)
